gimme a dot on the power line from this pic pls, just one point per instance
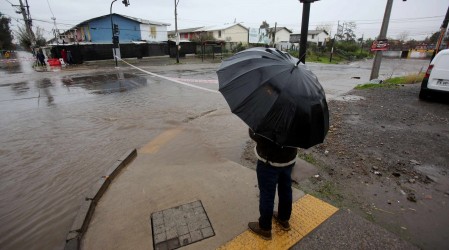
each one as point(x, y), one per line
point(9, 3)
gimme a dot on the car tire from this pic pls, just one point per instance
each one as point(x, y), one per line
point(423, 95)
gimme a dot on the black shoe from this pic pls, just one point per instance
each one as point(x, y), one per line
point(284, 224)
point(255, 228)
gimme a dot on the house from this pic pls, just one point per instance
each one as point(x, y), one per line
point(185, 34)
point(320, 37)
point(282, 34)
point(99, 30)
point(234, 32)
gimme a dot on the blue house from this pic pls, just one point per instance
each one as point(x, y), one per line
point(98, 30)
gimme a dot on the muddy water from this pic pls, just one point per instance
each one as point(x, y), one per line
point(60, 134)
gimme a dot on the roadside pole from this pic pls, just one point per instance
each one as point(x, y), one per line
point(113, 36)
point(176, 31)
point(382, 35)
point(304, 30)
point(442, 32)
point(115, 33)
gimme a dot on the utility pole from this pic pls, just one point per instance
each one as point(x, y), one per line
point(333, 41)
point(382, 35)
point(361, 44)
point(442, 31)
point(304, 29)
point(176, 31)
point(274, 35)
point(27, 19)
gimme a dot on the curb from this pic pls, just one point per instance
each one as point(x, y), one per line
point(87, 207)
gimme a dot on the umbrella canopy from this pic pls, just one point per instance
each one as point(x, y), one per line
point(276, 96)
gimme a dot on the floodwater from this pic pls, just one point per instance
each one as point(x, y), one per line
point(59, 134)
point(61, 130)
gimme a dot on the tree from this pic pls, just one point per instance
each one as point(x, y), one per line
point(403, 36)
point(434, 37)
point(204, 36)
point(5, 34)
point(326, 27)
point(266, 26)
point(25, 39)
point(349, 31)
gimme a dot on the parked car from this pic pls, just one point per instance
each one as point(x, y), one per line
point(436, 80)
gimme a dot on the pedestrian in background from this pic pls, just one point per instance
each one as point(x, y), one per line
point(274, 168)
point(69, 57)
point(64, 55)
point(41, 58)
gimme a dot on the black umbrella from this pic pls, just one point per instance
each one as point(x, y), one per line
point(276, 96)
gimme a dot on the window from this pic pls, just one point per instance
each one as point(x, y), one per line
point(313, 36)
point(219, 33)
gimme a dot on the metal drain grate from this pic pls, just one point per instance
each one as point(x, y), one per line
point(179, 226)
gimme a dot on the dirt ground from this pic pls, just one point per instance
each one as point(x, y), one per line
point(386, 157)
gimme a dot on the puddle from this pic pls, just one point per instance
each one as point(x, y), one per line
point(106, 83)
point(349, 98)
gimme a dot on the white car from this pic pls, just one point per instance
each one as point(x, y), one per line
point(436, 80)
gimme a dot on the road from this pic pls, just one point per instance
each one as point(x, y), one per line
point(61, 129)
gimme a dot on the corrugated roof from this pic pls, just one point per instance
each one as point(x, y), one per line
point(280, 28)
point(172, 32)
point(312, 32)
point(139, 20)
point(144, 21)
point(220, 27)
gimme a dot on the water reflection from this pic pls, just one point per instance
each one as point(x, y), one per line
point(11, 67)
point(106, 83)
point(51, 154)
point(19, 62)
point(20, 88)
point(45, 85)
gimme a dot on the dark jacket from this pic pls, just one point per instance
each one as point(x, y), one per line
point(271, 153)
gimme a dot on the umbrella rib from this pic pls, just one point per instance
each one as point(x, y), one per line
point(241, 75)
point(247, 98)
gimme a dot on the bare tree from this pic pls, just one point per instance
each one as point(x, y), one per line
point(25, 39)
point(403, 36)
point(349, 31)
point(326, 27)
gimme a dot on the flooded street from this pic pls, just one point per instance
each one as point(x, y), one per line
point(60, 134)
point(61, 130)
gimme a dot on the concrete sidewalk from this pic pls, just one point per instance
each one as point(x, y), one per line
point(188, 166)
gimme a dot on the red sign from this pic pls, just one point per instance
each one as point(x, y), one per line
point(380, 45)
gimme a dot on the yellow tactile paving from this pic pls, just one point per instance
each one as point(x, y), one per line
point(308, 212)
point(154, 145)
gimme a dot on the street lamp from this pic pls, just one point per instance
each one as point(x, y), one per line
point(115, 31)
point(304, 29)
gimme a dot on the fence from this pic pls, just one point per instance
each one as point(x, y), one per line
point(93, 52)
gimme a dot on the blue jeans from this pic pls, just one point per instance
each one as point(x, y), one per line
point(268, 177)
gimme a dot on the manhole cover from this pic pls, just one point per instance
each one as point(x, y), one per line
point(179, 226)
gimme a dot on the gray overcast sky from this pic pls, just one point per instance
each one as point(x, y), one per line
point(420, 18)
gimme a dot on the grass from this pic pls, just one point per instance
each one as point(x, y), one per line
point(308, 158)
point(328, 191)
point(393, 82)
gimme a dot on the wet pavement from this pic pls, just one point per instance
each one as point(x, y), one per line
point(62, 128)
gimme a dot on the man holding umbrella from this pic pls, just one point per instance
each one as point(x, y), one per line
point(274, 167)
point(285, 108)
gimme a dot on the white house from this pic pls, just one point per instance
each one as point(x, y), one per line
point(320, 37)
point(152, 31)
point(282, 34)
point(234, 32)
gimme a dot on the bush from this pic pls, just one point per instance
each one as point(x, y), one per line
point(239, 47)
point(348, 46)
